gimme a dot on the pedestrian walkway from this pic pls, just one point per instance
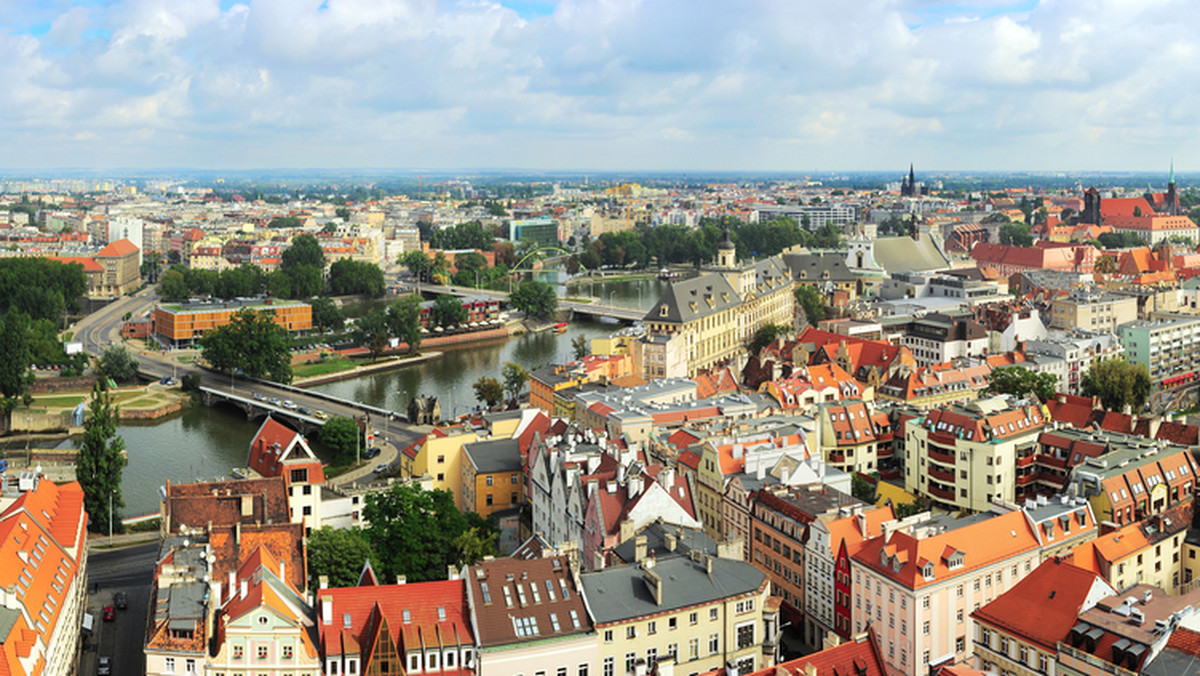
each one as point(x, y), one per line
point(102, 541)
point(388, 454)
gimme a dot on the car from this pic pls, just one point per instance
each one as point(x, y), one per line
point(104, 666)
point(381, 468)
point(320, 414)
point(372, 452)
point(165, 381)
point(273, 401)
point(110, 614)
point(259, 397)
point(288, 403)
point(121, 600)
point(304, 410)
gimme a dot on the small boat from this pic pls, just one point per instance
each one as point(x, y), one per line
point(560, 328)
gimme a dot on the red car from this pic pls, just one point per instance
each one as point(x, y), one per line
point(109, 614)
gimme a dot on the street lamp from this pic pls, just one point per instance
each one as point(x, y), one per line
point(110, 515)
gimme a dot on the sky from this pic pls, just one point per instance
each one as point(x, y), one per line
point(804, 86)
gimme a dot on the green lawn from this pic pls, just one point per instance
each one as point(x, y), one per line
point(569, 299)
point(186, 359)
point(321, 368)
point(60, 401)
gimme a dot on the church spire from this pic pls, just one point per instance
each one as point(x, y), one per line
point(1171, 179)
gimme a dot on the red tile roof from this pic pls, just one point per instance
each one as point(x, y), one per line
point(1044, 605)
point(117, 249)
point(278, 450)
point(858, 657)
point(436, 613)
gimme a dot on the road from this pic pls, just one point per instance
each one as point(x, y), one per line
point(100, 328)
point(131, 570)
point(628, 314)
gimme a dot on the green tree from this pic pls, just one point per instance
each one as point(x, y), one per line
point(1118, 383)
point(371, 332)
point(338, 554)
point(417, 263)
point(488, 390)
point(118, 363)
point(327, 315)
point(473, 544)
point(767, 335)
point(862, 489)
point(100, 461)
point(341, 435)
point(414, 532)
point(306, 281)
point(535, 299)
point(1016, 234)
point(404, 321)
point(14, 359)
point(286, 223)
point(580, 347)
point(1020, 381)
point(348, 276)
point(342, 213)
point(253, 343)
point(515, 377)
point(813, 304)
point(448, 311)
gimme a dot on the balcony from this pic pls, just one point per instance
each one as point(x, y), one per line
point(940, 494)
point(885, 452)
point(889, 474)
point(1025, 461)
point(1052, 461)
point(1026, 479)
point(837, 457)
point(944, 458)
point(941, 475)
point(941, 437)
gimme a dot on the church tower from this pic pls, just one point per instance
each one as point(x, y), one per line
point(1172, 197)
point(726, 252)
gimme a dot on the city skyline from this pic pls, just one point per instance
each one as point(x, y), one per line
point(593, 85)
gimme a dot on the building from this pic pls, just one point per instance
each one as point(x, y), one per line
point(827, 603)
point(859, 656)
point(412, 628)
point(121, 262)
point(919, 581)
point(937, 338)
point(718, 312)
point(1168, 348)
point(1008, 259)
point(179, 630)
point(540, 231)
point(43, 576)
point(1133, 478)
point(853, 436)
point(530, 617)
point(493, 478)
point(1019, 631)
point(964, 457)
point(183, 324)
point(702, 611)
point(1092, 310)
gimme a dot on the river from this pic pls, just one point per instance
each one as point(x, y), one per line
point(205, 443)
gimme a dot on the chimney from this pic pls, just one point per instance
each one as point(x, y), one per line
point(708, 563)
point(282, 571)
point(1147, 596)
point(323, 582)
point(401, 579)
point(232, 584)
point(809, 669)
point(451, 572)
point(237, 532)
point(326, 609)
point(653, 581)
point(216, 590)
point(639, 548)
point(669, 541)
point(245, 588)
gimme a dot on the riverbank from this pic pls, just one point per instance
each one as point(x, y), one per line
point(54, 412)
point(620, 277)
point(355, 370)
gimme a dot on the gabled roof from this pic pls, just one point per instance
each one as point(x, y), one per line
point(539, 592)
point(117, 249)
point(858, 657)
point(690, 299)
point(417, 614)
point(276, 449)
point(904, 254)
point(1045, 604)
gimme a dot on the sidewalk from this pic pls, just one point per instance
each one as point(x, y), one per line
point(387, 455)
point(102, 541)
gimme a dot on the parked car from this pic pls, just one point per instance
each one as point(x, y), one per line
point(110, 614)
point(273, 401)
point(304, 410)
point(288, 403)
point(121, 600)
point(104, 666)
point(371, 453)
point(259, 397)
point(381, 468)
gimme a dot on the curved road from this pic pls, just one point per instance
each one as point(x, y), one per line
point(101, 328)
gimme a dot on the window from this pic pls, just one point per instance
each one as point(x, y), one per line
point(672, 622)
point(745, 635)
point(561, 671)
point(554, 622)
point(1023, 653)
point(608, 638)
point(608, 666)
point(651, 658)
point(512, 478)
point(189, 666)
point(713, 613)
point(714, 644)
point(1042, 666)
point(960, 592)
point(692, 618)
point(631, 632)
point(652, 627)
point(487, 480)
point(431, 661)
point(526, 626)
point(960, 644)
point(287, 652)
point(169, 665)
point(583, 670)
point(1004, 645)
point(414, 662)
point(960, 615)
point(925, 626)
point(630, 660)
point(694, 649)
point(238, 652)
point(262, 652)
point(745, 606)
point(450, 661)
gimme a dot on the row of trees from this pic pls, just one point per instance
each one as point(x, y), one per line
point(1117, 382)
point(41, 288)
point(252, 344)
point(300, 275)
point(412, 532)
point(401, 320)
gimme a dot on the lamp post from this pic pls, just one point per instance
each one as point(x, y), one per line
point(110, 515)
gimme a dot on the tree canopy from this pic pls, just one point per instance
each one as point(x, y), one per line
point(118, 363)
point(416, 533)
point(100, 462)
point(348, 276)
point(42, 288)
point(340, 435)
point(1118, 383)
point(338, 554)
point(404, 321)
point(448, 311)
point(812, 302)
point(1015, 234)
point(767, 335)
point(515, 377)
point(251, 343)
point(468, 235)
point(15, 360)
point(1020, 381)
point(534, 298)
point(327, 315)
point(488, 390)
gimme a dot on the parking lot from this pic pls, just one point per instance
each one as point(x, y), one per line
point(131, 570)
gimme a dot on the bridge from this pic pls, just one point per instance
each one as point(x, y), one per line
point(595, 310)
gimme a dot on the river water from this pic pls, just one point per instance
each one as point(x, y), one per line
point(205, 443)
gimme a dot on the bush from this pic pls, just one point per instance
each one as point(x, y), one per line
point(190, 382)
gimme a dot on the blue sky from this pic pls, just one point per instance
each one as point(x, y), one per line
point(773, 85)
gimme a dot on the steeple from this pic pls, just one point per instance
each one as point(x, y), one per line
point(1171, 178)
point(912, 177)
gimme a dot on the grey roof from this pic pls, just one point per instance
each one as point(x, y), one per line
point(620, 593)
point(818, 267)
point(690, 299)
point(1173, 662)
point(687, 539)
point(904, 254)
point(8, 619)
point(494, 455)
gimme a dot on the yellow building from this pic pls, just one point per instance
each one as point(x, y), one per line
point(700, 609)
point(491, 476)
point(719, 312)
point(1092, 310)
point(440, 455)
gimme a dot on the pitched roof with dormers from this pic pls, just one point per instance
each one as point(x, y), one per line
point(691, 299)
point(278, 450)
point(860, 656)
point(117, 249)
point(515, 601)
point(906, 558)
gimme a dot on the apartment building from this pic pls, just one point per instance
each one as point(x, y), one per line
point(1092, 310)
point(964, 457)
point(43, 576)
point(852, 436)
point(827, 604)
point(179, 632)
point(919, 581)
point(182, 324)
point(1070, 357)
point(1168, 348)
point(1134, 478)
point(703, 611)
point(937, 338)
point(493, 478)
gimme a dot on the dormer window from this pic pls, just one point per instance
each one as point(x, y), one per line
point(662, 311)
point(927, 571)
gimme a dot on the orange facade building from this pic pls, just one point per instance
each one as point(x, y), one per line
point(184, 323)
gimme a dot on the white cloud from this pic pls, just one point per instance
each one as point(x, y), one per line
point(637, 84)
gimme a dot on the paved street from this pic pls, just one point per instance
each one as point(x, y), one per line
point(131, 570)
